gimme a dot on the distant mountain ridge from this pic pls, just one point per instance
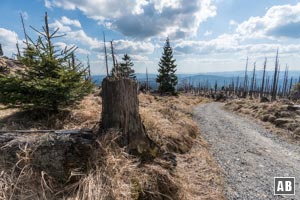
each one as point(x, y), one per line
point(222, 78)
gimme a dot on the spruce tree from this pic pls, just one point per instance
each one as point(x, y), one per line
point(167, 78)
point(51, 79)
point(124, 69)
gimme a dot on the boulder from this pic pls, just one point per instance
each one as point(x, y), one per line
point(296, 133)
point(285, 101)
point(281, 121)
point(292, 126)
point(272, 118)
point(295, 96)
point(265, 117)
point(293, 107)
point(57, 153)
point(220, 97)
point(264, 100)
point(286, 114)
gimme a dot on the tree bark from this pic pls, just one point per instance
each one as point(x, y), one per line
point(120, 110)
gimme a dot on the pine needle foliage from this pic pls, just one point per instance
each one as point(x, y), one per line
point(51, 80)
point(167, 78)
point(125, 68)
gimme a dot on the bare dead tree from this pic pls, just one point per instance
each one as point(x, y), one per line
point(147, 79)
point(252, 81)
point(1, 51)
point(216, 86)
point(113, 54)
point(274, 87)
point(277, 80)
point(245, 92)
point(267, 87)
point(89, 69)
point(285, 82)
point(18, 50)
point(105, 56)
point(237, 85)
point(24, 29)
point(263, 79)
point(291, 85)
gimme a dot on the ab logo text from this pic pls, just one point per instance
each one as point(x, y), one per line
point(284, 186)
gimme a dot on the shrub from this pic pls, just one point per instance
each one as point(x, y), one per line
point(51, 79)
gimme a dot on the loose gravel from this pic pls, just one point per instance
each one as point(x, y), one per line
point(248, 154)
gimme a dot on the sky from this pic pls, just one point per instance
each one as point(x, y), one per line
point(206, 35)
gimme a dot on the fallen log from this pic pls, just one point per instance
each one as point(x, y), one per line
point(75, 131)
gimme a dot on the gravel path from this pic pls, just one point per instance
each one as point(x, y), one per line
point(249, 156)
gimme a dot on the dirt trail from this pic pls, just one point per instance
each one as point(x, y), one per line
point(248, 154)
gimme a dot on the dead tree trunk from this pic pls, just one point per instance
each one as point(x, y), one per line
point(120, 110)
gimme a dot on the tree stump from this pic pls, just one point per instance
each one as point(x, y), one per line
point(120, 110)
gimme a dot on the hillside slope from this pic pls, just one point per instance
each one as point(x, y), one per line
point(111, 172)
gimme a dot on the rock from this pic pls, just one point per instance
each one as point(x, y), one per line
point(272, 118)
point(285, 101)
point(283, 107)
point(57, 154)
point(264, 100)
point(293, 107)
point(296, 133)
point(295, 96)
point(236, 107)
point(281, 121)
point(292, 126)
point(220, 97)
point(265, 117)
point(286, 114)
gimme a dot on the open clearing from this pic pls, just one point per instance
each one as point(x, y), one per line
point(248, 154)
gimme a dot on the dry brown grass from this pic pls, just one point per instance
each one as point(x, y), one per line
point(84, 115)
point(269, 115)
point(116, 175)
point(199, 174)
point(168, 120)
point(113, 174)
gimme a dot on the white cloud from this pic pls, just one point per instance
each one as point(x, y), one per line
point(8, 39)
point(64, 24)
point(78, 36)
point(48, 4)
point(67, 21)
point(233, 23)
point(81, 37)
point(231, 46)
point(62, 28)
point(145, 18)
point(133, 47)
point(223, 44)
point(279, 21)
point(81, 51)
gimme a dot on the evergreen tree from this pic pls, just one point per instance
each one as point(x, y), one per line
point(167, 78)
point(51, 79)
point(124, 69)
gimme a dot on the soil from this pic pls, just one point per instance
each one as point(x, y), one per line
point(248, 154)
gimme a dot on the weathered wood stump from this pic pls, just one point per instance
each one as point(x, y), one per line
point(120, 110)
